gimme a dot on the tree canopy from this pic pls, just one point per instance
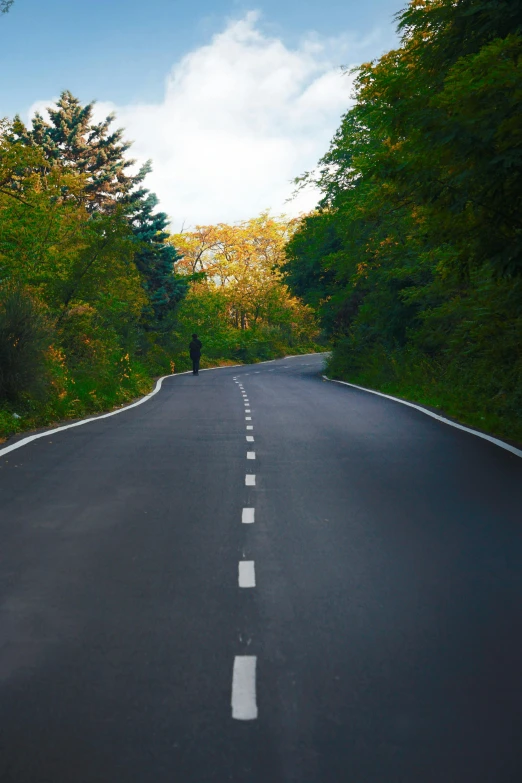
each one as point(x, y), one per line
point(414, 254)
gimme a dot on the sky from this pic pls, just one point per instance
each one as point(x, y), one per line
point(230, 100)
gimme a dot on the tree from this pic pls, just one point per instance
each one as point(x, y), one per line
point(98, 155)
point(5, 5)
point(414, 255)
point(156, 259)
point(243, 261)
point(50, 243)
point(92, 149)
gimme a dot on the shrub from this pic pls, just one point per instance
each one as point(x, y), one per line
point(25, 336)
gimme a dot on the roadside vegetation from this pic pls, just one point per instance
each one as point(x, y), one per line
point(95, 298)
point(413, 258)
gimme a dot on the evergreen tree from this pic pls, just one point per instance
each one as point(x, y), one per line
point(94, 150)
point(5, 5)
point(155, 258)
point(99, 155)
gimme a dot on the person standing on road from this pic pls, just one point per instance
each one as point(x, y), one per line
point(195, 353)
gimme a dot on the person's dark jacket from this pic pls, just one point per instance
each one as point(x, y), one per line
point(195, 349)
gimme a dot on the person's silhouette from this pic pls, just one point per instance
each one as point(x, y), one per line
point(195, 353)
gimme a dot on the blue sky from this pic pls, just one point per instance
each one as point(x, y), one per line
point(153, 61)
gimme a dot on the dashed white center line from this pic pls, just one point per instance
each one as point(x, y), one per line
point(244, 702)
point(249, 427)
point(247, 516)
point(247, 410)
point(246, 574)
point(251, 454)
point(248, 418)
point(250, 438)
point(250, 480)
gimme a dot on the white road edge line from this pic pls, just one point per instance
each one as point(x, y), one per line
point(244, 702)
point(30, 438)
point(246, 574)
point(250, 480)
point(247, 516)
point(496, 441)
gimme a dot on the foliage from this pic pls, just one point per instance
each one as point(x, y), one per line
point(238, 299)
point(91, 303)
point(414, 255)
point(91, 149)
point(155, 260)
point(24, 338)
point(75, 292)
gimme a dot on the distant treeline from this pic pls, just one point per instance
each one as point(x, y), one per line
point(413, 258)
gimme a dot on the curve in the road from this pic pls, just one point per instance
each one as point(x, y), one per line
point(496, 441)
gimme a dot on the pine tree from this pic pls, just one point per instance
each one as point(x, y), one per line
point(155, 258)
point(99, 153)
point(93, 149)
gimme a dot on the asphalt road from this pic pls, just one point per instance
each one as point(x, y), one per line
point(381, 643)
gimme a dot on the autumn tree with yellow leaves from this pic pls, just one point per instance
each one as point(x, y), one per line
point(238, 297)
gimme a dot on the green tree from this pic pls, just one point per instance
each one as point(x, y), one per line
point(156, 259)
point(414, 255)
point(98, 155)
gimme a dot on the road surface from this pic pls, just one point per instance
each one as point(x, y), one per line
point(336, 599)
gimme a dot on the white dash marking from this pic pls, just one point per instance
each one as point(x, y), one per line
point(248, 418)
point(247, 410)
point(247, 517)
point(249, 427)
point(250, 480)
point(246, 574)
point(251, 454)
point(257, 372)
point(244, 703)
point(250, 438)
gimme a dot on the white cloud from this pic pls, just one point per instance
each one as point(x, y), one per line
point(241, 117)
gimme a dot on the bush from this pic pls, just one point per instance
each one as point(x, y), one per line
point(25, 336)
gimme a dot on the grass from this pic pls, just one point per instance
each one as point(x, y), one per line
point(467, 393)
point(76, 396)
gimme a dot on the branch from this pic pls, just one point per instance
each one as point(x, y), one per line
point(10, 193)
